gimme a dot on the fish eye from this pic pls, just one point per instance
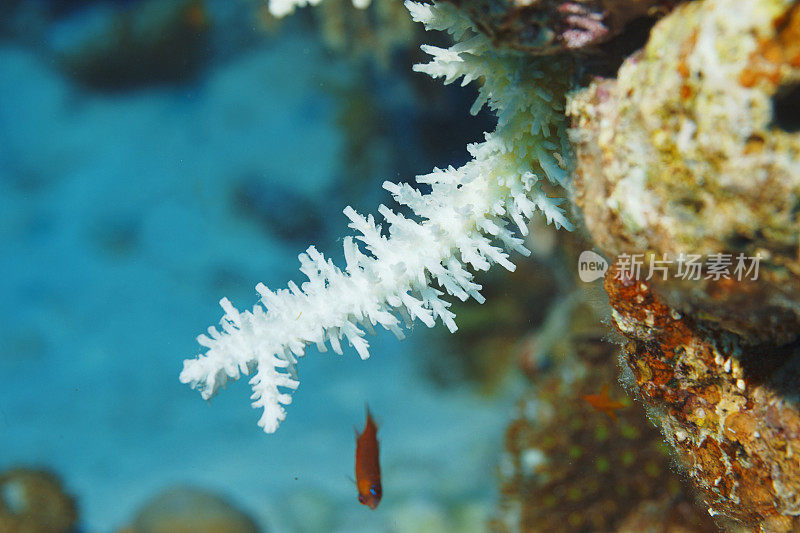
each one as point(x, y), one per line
point(373, 490)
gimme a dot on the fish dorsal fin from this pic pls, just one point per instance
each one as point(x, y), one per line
point(369, 417)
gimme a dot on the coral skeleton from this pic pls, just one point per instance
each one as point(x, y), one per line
point(471, 218)
point(281, 8)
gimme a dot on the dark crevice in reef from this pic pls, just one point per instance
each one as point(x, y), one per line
point(786, 108)
point(605, 59)
point(614, 52)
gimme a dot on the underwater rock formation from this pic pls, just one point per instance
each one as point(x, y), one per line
point(190, 510)
point(691, 156)
point(731, 411)
point(34, 501)
point(693, 149)
point(552, 26)
point(570, 467)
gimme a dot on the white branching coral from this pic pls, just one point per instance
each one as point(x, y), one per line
point(281, 8)
point(394, 277)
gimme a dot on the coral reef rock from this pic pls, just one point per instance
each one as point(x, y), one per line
point(552, 26)
point(693, 149)
point(730, 411)
point(33, 501)
point(190, 510)
point(569, 467)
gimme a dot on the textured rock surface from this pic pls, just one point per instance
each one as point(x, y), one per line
point(694, 149)
point(730, 411)
point(570, 467)
point(552, 26)
point(33, 501)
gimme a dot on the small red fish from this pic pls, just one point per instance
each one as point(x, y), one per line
point(368, 467)
point(602, 402)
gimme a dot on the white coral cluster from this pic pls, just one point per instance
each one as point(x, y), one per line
point(281, 8)
point(404, 272)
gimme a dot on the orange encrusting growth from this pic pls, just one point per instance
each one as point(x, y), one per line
point(775, 56)
point(368, 468)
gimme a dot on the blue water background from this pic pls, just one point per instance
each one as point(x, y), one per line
point(117, 238)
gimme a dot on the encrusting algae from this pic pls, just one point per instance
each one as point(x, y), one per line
point(730, 411)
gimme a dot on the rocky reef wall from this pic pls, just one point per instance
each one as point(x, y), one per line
point(691, 155)
point(687, 179)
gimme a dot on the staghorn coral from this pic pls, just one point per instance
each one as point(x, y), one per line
point(729, 410)
point(686, 152)
point(406, 271)
point(483, 350)
point(281, 8)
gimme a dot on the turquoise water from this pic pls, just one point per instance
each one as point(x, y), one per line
point(122, 223)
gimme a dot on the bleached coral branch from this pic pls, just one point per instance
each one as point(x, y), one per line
point(282, 8)
point(461, 225)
